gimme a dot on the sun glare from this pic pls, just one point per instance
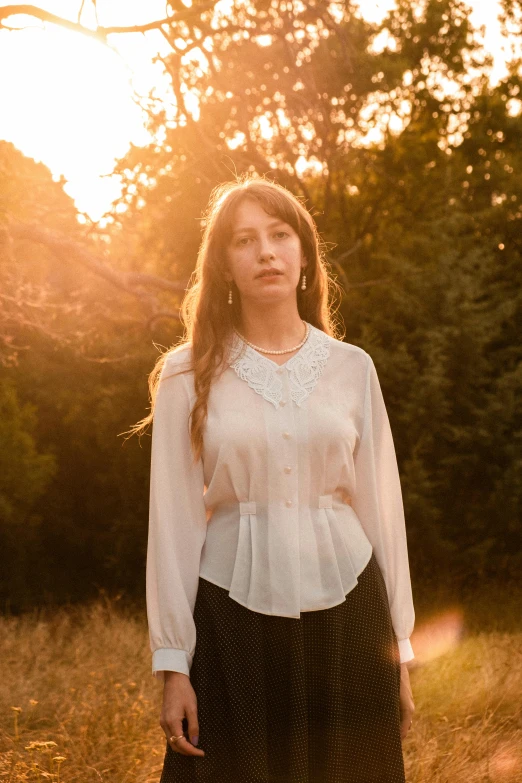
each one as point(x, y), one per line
point(439, 635)
point(68, 99)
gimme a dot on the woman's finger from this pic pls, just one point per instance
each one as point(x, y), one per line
point(175, 729)
point(187, 748)
point(182, 745)
point(406, 722)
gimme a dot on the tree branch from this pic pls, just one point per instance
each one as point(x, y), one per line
point(130, 282)
point(100, 33)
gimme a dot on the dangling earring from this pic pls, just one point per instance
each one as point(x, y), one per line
point(303, 283)
point(230, 295)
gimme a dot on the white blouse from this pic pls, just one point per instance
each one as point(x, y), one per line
point(297, 484)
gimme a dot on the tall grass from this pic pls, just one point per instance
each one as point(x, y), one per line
point(81, 679)
point(78, 703)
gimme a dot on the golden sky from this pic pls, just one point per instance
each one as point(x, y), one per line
point(67, 100)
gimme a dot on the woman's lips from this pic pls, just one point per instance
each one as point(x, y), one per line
point(270, 277)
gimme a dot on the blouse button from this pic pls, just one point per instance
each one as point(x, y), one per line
point(288, 469)
point(286, 435)
point(282, 403)
point(288, 503)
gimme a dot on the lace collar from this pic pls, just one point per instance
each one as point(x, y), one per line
point(265, 376)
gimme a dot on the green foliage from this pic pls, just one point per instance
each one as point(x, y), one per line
point(24, 473)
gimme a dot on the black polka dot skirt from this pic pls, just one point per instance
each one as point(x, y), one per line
point(285, 700)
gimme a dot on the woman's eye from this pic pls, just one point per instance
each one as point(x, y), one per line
point(279, 234)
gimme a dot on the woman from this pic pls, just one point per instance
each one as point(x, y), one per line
point(276, 529)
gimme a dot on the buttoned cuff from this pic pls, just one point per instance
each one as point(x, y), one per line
point(170, 660)
point(405, 650)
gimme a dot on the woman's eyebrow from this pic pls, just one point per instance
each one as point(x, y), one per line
point(251, 228)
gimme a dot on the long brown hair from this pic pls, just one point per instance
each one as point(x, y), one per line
point(205, 312)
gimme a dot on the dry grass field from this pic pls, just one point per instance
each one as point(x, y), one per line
point(78, 703)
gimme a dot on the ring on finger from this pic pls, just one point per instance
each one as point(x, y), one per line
point(175, 739)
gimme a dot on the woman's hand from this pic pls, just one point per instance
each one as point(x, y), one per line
point(179, 701)
point(406, 701)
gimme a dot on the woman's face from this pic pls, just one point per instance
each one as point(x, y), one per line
point(261, 242)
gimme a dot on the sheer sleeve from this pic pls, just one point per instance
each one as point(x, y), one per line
point(177, 528)
point(378, 504)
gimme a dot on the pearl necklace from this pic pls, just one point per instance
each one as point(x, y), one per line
point(287, 350)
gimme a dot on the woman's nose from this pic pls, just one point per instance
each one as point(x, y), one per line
point(265, 248)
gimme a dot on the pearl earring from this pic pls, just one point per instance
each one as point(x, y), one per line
point(303, 284)
point(230, 295)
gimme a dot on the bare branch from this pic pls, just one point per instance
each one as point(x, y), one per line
point(349, 252)
point(63, 244)
point(131, 282)
point(80, 12)
point(100, 33)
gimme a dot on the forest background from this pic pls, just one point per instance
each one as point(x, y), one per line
point(422, 231)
